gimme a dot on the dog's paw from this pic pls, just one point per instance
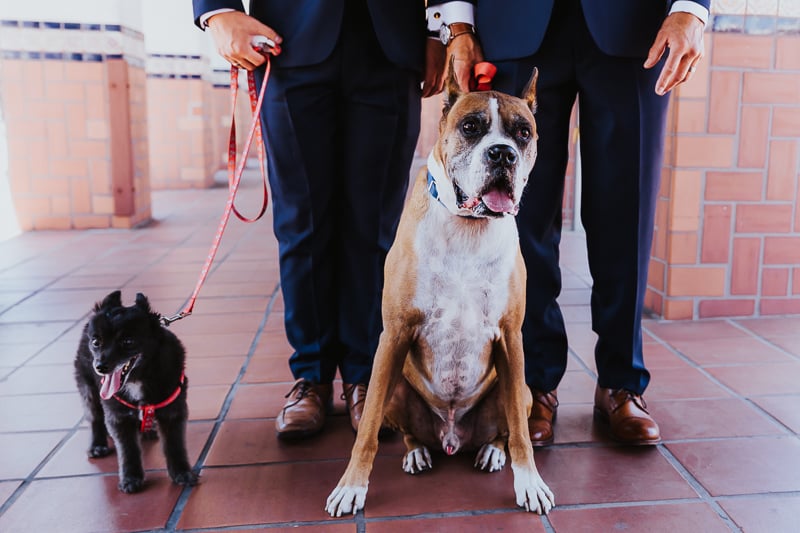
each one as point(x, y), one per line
point(346, 499)
point(490, 458)
point(187, 479)
point(531, 491)
point(417, 460)
point(95, 452)
point(130, 485)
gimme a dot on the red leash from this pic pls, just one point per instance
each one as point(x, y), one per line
point(234, 177)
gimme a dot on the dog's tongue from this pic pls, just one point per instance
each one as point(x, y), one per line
point(110, 384)
point(497, 201)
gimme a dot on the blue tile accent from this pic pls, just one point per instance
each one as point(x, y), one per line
point(12, 54)
point(91, 27)
point(113, 56)
point(760, 25)
point(72, 25)
point(30, 24)
point(74, 57)
point(52, 25)
point(728, 23)
point(30, 55)
point(9, 23)
point(112, 27)
point(54, 55)
point(788, 25)
point(93, 58)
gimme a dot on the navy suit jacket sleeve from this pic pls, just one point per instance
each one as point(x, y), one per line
point(204, 6)
point(512, 29)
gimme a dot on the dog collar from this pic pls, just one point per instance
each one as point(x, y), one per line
point(147, 413)
point(432, 188)
point(435, 194)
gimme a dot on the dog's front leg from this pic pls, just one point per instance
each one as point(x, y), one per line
point(351, 491)
point(173, 443)
point(531, 491)
point(98, 447)
point(125, 432)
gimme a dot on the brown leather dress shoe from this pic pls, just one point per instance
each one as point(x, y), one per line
point(303, 414)
point(626, 415)
point(354, 395)
point(543, 414)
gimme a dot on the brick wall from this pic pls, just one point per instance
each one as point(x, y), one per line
point(76, 125)
point(181, 113)
point(727, 237)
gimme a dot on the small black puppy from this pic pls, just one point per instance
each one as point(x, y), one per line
point(129, 370)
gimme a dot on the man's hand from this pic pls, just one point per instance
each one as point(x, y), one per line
point(682, 33)
point(232, 32)
point(466, 53)
point(435, 53)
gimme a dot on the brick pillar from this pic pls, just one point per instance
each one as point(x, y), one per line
point(184, 112)
point(73, 97)
point(727, 237)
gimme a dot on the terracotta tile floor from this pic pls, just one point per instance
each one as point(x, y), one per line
point(727, 395)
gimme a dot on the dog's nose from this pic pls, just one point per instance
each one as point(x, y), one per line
point(102, 368)
point(501, 154)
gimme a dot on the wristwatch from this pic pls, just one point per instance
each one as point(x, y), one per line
point(448, 32)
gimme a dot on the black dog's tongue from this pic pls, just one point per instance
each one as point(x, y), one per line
point(499, 202)
point(111, 384)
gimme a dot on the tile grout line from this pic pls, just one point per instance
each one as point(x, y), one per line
point(719, 383)
point(32, 475)
point(183, 498)
point(698, 487)
point(764, 339)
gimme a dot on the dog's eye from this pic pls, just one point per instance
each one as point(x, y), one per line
point(524, 133)
point(127, 342)
point(96, 342)
point(470, 127)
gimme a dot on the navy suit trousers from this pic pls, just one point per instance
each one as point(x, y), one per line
point(340, 138)
point(622, 124)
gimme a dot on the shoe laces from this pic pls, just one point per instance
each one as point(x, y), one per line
point(303, 388)
point(637, 399)
point(347, 393)
point(548, 399)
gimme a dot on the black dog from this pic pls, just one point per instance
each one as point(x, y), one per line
point(129, 370)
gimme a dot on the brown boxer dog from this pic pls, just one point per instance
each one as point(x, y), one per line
point(449, 369)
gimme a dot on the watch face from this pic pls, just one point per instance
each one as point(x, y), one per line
point(444, 34)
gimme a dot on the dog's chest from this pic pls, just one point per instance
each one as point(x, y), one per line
point(462, 290)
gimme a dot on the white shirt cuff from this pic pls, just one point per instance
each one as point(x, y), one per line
point(205, 16)
point(448, 13)
point(686, 6)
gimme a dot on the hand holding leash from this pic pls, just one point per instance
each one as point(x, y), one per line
point(234, 32)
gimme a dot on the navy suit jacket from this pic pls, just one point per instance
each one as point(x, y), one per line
point(512, 29)
point(310, 28)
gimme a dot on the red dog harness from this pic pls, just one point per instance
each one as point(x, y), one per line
point(147, 413)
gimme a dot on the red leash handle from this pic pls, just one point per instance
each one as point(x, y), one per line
point(483, 73)
point(234, 177)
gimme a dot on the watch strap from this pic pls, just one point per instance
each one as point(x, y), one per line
point(460, 28)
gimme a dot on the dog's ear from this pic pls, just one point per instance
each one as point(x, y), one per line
point(451, 88)
point(529, 94)
point(109, 302)
point(143, 303)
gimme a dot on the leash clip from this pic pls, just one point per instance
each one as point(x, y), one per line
point(166, 321)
